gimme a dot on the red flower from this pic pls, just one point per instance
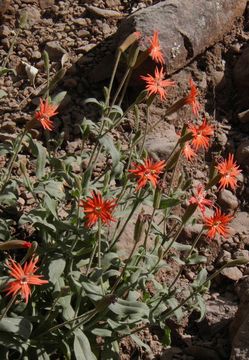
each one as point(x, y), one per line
point(229, 172)
point(217, 224)
point(45, 113)
point(199, 199)
point(155, 49)
point(96, 208)
point(27, 244)
point(188, 151)
point(24, 277)
point(156, 85)
point(201, 135)
point(147, 172)
point(191, 99)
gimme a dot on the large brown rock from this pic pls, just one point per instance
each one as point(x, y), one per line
point(186, 28)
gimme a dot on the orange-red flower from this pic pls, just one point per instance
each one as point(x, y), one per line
point(217, 224)
point(229, 172)
point(147, 172)
point(155, 49)
point(45, 113)
point(188, 151)
point(157, 84)
point(201, 135)
point(199, 198)
point(24, 277)
point(191, 99)
point(96, 208)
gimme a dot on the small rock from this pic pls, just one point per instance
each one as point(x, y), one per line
point(107, 13)
point(33, 15)
point(227, 200)
point(87, 47)
point(241, 253)
point(80, 21)
point(83, 33)
point(244, 116)
point(4, 6)
point(233, 273)
point(4, 31)
point(162, 145)
point(54, 50)
point(36, 55)
point(44, 4)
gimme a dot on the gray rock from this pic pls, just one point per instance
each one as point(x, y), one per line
point(227, 200)
point(162, 145)
point(186, 28)
point(54, 50)
point(233, 273)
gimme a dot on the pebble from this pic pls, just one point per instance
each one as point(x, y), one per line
point(227, 200)
point(233, 273)
point(54, 50)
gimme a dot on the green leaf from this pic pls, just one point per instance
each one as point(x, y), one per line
point(166, 336)
point(2, 94)
point(51, 204)
point(41, 153)
point(168, 203)
point(9, 342)
point(196, 259)
point(55, 269)
point(201, 278)
point(140, 343)
point(4, 70)
point(107, 142)
point(58, 98)
point(4, 230)
point(82, 348)
point(126, 308)
point(102, 332)
point(18, 326)
point(201, 306)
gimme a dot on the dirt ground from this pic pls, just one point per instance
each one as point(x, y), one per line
point(82, 41)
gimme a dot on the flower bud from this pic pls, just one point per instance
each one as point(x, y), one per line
point(135, 36)
point(139, 226)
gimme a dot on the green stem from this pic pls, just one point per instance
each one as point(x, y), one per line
point(149, 228)
point(12, 160)
point(91, 259)
point(112, 77)
point(145, 130)
point(123, 270)
point(125, 223)
point(99, 255)
point(186, 259)
point(119, 89)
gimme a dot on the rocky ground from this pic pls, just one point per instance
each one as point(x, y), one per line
point(76, 35)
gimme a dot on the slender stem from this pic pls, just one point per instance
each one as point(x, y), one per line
point(125, 223)
point(11, 48)
point(145, 130)
point(124, 268)
point(119, 89)
point(112, 77)
point(91, 258)
point(149, 228)
point(186, 259)
point(173, 239)
point(99, 255)
point(87, 315)
point(12, 160)
point(174, 172)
